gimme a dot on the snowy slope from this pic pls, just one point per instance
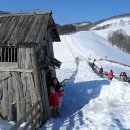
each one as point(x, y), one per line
point(90, 102)
point(90, 44)
point(115, 24)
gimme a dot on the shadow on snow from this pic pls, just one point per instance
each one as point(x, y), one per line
point(76, 96)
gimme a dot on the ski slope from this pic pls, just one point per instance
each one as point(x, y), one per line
point(90, 102)
point(115, 24)
point(88, 44)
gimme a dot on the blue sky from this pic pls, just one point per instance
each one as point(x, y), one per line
point(70, 11)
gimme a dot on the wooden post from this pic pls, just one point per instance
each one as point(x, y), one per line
point(45, 94)
point(5, 99)
point(37, 78)
point(10, 96)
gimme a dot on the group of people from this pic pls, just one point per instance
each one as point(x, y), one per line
point(123, 77)
point(110, 74)
point(55, 91)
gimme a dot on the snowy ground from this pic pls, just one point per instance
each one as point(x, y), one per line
point(5, 125)
point(90, 102)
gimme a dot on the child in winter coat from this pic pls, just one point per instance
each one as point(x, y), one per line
point(101, 71)
point(110, 75)
point(56, 92)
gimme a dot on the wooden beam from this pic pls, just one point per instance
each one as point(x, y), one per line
point(37, 79)
point(8, 65)
point(16, 70)
point(31, 120)
point(15, 126)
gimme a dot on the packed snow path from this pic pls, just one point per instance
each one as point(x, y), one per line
point(79, 90)
point(92, 103)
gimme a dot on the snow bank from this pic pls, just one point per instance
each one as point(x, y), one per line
point(4, 125)
point(117, 91)
point(110, 110)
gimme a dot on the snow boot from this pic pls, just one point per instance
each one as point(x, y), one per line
point(54, 115)
point(58, 112)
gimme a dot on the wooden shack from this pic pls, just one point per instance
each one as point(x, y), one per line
point(26, 57)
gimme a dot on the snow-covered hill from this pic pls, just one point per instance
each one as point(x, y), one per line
point(89, 44)
point(90, 102)
point(115, 24)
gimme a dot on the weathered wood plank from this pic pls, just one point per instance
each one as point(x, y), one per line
point(36, 72)
point(35, 126)
point(24, 117)
point(43, 98)
point(8, 65)
point(22, 56)
point(33, 28)
point(45, 94)
point(4, 27)
point(28, 103)
point(5, 99)
point(13, 23)
point(1, 90)
point(10, 91)
point(31, 87)
point(15, 70)
point(6, 76)
point(28, 62)
point(31, 120)
point(19, 93)
point(26, 26)
point(37, 78)
point(20, 29)
point(43, 29)
point(24, 82)
point(16, 29)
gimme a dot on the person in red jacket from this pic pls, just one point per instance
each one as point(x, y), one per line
point(55, 92)
point(110, 75)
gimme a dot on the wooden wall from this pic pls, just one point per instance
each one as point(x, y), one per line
point(50, 50)
point(20, 86)
point(41, 62)
point(17, 88)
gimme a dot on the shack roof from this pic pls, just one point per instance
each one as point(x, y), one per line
point(26, 28)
